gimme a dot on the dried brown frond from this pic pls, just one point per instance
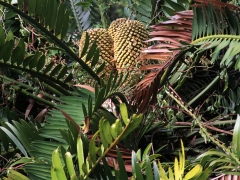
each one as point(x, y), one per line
point(166, 38)
point(226, 177)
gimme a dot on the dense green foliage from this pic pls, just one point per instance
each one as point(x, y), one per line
point(61, 119)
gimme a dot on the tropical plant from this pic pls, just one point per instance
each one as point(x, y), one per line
point(146, 164)
point(221, 162)
point(102, 142)
point(179, 166)
point(198, 75)
point(190, 91)
point(47, 83)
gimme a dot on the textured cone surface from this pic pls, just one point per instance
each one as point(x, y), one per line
point(128, 42)
point(104, 43)
point(115, 25)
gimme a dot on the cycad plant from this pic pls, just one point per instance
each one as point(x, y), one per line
point(48, 83)
point(199, 59)
point(102, 142)
point(191, 52)
point(195, 38)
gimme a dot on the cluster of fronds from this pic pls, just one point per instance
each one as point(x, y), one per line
point(168, 37)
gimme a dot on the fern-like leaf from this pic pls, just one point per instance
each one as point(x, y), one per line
point(219, 30)
point(82, 16)
point(140, 10)
point(49, 18)
point(170, 7)
point(167, 37)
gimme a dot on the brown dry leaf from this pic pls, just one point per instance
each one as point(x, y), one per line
point(72, 120)
point(155, 56)
point(85, 87)
point(192, 142)
point(29, 108)
point(87, 124)
point(226, 177)
point(163, 46)
point(114, 163)
point(40, 95)
point(146, 88)
point(40, 117)
point(151, 67)
point(164, 39)
point(113, 153)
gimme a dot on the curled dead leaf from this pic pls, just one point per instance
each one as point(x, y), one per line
point(85, 87)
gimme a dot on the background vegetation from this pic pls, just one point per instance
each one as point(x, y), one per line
point(61, 119)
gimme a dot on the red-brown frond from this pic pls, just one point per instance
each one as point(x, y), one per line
point(151, 67)
point(146, 88)
point(112, 161)
point(155, 56)
point(166, 38)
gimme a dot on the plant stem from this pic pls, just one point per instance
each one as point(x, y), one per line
point(50, 80)
point(205, 125)
point(40, 100)
point(107, 150)
point(32, 88)
point(183, 80)
point(202, 127)
point(204, 92)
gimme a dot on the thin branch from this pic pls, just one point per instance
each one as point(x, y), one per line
point(202, 127)
point(204, 124)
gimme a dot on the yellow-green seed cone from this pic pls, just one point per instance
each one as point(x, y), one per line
point(104, 43)
point(128, 42)
point(115, 25)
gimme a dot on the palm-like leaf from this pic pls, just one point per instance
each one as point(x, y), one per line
point(46, 16)
point(20, 133)
point(211, 32)
point(56, 121)
point(34, 64)
point(109, 136)
point(170, 7)
point(167, 36)
point(225, 163)
point(30, 140)
point(62, 132)
point(141, 10)
point(82, 16)
point(219, 31)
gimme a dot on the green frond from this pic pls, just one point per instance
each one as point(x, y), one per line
point(52, 14)
point(110, 135)
point(140, 10)
point(82, 16)
point(18, 132)
point(97, 11)
point(38, 170)
point(219, 31)
point(170, 7)
point(72, 105)
point(53, 27)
